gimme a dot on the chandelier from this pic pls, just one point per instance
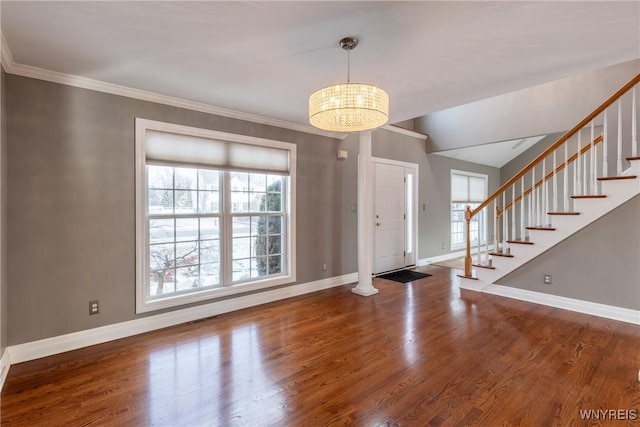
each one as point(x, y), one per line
point(349, 107)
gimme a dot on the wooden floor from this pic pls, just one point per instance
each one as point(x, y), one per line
point(415, 354)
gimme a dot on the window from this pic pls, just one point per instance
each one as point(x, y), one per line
point(467, 189)
point(215, 214)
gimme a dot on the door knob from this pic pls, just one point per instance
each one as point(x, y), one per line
point(378, 224)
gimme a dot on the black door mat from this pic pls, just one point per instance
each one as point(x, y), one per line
point(404, 276)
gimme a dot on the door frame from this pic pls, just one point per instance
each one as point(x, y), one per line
point(415, 167)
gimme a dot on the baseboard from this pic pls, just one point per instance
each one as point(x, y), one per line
point(5, 364)
point(73, 341)
point(445, 257)
point(586, 307)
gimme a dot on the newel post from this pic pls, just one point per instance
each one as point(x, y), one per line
point(467, 258)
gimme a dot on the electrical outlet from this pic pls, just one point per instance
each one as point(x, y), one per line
point(94, 307)
point(443, 246)
point(324, 266)
point(547, 279)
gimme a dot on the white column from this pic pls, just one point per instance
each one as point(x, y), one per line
point(365, 218)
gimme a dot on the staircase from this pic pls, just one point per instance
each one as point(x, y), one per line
point(588, 172)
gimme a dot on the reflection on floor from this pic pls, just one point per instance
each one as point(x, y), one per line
point(457, 263)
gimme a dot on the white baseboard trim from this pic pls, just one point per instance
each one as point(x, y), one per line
point(73, 341)
point(5, 364)
point(445, 257)
point(586, 307)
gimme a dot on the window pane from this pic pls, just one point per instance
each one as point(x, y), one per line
point(186, 178)
point(161, 281)
point(275, 264)
point(186, 278)
point(241, 248)
point(159, 176)
point(239, 181)
point(258, 225)
point(161, 257)
point(186, 229)
point(274, 183)
point(210, 252)
point(187, 254)
point(275, 225)
point(160, 230)
point(241, 270)
point(209, 228)
point(259, 246)
point(239, 202)
point(208, 180)
point(160, 202)
point(258, 182)
point(186, 201)
point(209, 275)
point(240, 226)
point(259, 267)
point(275, 245)
point(257, 202)
point(273, 202)
point(208, 202)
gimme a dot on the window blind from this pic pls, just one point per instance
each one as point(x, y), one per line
point(163, 147)
point(467, 188)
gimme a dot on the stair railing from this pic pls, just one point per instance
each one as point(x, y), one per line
point(520, 207)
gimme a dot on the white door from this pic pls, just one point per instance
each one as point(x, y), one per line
point(389, 221)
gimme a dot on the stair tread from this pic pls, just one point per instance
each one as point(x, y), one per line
point(501, 254)
point(613, 178)
point(563, 213)
point(490, 267)
point(542, 228)
point(467, 277)
point(521, 242)
point(590, 196)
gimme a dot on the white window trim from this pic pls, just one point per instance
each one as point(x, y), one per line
point(486, 192)
point(143, 306)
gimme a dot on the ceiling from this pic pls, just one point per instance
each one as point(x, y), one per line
point(496, 154)
point(267, 57)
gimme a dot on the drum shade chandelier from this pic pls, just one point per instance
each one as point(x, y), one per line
point(349, 107)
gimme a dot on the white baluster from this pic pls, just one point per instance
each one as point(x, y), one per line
point(605, 146)
point(555, 183)
point(619, 162)
point(565, 203)
point(594, 160)
point(577, 170)
point(545, 202)
point(582, 171)
point(480, 224)
point(585, 173)
point(496, 227)
point(486, 246)
point(523, 230)
point(634, 119)
point(505, 225)
point(513, 212)
point(532, 199)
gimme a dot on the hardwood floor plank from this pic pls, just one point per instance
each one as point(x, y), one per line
point(415, 354)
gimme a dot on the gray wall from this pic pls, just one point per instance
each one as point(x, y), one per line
point(3, 213)
point(598, 264)
point(71, 224)
point(548, 108)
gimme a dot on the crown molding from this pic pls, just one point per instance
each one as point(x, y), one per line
point(12, 67)
point(407, 132)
